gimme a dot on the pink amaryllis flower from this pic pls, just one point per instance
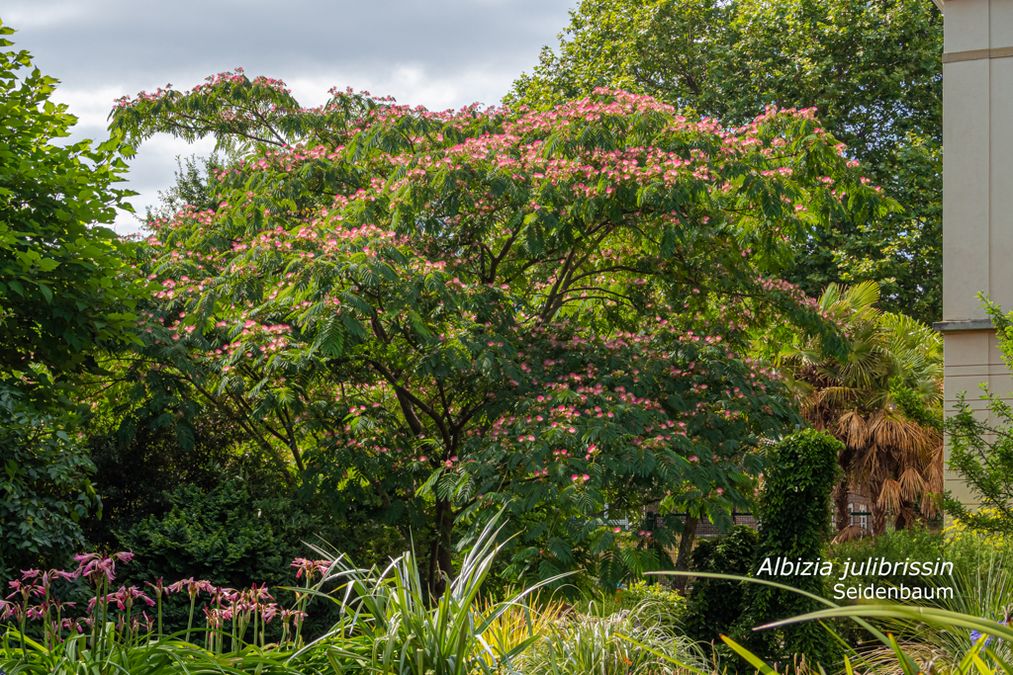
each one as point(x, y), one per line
point(122, 597)
point(9, 610)
point(129, 595)
point(295, 615)
point(214, 617)
point(23, 590)
point(310, 568)
point(192, 587)
point(44, 579)
point(73, 625)
point(259, 593)
point(66, 575)
point(94, 566)
point(269, 611)
point(157, 586)
point(60, 605)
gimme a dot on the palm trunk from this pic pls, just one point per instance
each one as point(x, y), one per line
point(841, 505)
point(878, 520)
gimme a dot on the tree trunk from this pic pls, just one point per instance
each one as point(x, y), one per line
point(441, 564)
point(685, 549)
point(905, 519)
point(878, 520)
point(841, 505)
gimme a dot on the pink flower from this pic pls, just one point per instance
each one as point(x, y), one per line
point(192, 587)
point(158, 586)
point(310, 567)
point(94, 566)
point(126, 595)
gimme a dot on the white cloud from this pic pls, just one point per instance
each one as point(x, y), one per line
point(413, 84)
point(44, 14)
point(443, 54)
point(154, 170)
point(91, 105)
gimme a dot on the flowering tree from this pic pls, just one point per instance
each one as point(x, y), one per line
point(872, 70)
point(473, 310)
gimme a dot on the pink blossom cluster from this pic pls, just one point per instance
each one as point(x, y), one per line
point(229, 77)
point(34, 597)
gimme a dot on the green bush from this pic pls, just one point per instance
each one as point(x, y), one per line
point(981, 446)
point(654, 602)
point(794, 513)
point(170, 451)
point(234, 535)
point(715, 605)
point(45, 487)
point(918, 543)
point(982, 584)
point(584, 644)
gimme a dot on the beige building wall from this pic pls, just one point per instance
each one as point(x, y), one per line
point(977, 196)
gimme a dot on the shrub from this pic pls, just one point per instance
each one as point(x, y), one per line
point(170, 449)
point(584, 644)
point(794, 513)
point(45, 486)
point(981, 447)
point(982, 585)
point(230, 535)
point(654, 603)
point(715, 605)
point(918, 543)
point(510, 629)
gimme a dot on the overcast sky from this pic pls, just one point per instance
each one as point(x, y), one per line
point(437, 53)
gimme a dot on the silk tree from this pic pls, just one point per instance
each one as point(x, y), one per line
point(465, 311)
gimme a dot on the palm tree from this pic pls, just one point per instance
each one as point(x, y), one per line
point(881, 397)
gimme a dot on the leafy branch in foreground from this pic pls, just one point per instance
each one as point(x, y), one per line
point(979, 655)
point(981, 446)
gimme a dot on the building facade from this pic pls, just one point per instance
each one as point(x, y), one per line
point(977, 196)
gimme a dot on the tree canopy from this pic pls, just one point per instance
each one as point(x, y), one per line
point(67, 294)
point(463, 311)
point(871, 69)
point(65, 288)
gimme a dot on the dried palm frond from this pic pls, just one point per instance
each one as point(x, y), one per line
point(912, 485)
point(931, 505)
point(850, 533)
point(889, 498)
